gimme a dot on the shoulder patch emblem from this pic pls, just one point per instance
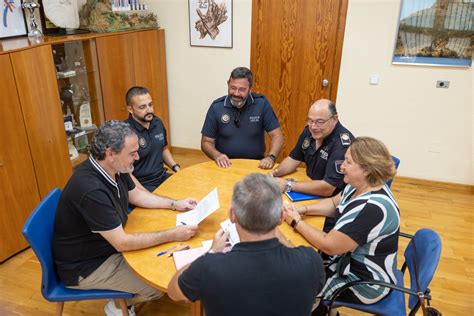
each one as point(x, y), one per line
point(225, 118)
point(306, 143)
point(345, 139)
point(338, 164)
point(142, 142)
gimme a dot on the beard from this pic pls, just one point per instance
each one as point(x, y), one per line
point(237, 102)
point(145, 119)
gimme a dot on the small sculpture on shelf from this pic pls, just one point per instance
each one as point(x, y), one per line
point(31, 6)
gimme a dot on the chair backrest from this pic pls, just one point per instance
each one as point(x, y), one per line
point(396, 162)
point(38, 231)
point(428, 252)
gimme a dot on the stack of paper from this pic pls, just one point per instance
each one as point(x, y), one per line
point(227, 225)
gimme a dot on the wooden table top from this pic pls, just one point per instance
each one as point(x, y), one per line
point(195, 181)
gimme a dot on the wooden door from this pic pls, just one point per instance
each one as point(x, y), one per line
point(35, 78)
point(150, 69)
point(296, 44)
point(117, 75)
point(19, 191)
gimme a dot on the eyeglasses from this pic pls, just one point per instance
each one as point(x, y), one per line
point(318, 122)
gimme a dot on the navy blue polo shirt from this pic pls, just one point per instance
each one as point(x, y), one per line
point(325, 162)
point(149, 169)
point(255, 278)
point(240, 135)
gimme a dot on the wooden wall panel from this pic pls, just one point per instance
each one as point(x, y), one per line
point(117, 74)
point(19, 190)
point(150, 69)
point(295, 45)
point(39, 97)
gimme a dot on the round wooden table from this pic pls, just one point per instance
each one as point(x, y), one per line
point(195, 181)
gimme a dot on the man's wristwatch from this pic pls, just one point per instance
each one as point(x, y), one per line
point(174, 166)
point(272, 157)
point(289, 185)
point(294, 223)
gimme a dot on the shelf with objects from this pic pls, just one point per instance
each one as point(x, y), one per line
point(78, 80)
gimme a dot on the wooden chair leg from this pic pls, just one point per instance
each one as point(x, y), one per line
point(123, 305)
point(59, 308)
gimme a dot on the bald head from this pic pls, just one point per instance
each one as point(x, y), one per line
point(324, 104)
point(322, 119)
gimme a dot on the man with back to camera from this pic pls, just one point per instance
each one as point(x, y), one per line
point(321, 146)
point(235, 124)
point(259, 276)
point(149, 170)
point(89, 234)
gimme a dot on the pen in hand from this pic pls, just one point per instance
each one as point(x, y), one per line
point(169, 249)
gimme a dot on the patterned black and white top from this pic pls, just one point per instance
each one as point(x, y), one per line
point(372, 220)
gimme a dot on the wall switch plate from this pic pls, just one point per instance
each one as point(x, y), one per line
point(442, 84)
point(374, 80)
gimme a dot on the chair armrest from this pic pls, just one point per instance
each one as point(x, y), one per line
point(372, 282)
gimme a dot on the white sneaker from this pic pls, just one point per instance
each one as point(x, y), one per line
point(111, 310)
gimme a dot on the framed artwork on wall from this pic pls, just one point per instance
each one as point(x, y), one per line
point(210, 23)
point(435, 33)
point(13, 19)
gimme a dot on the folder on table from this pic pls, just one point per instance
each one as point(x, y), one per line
point(298, 196)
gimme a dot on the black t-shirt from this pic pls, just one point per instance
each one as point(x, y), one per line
point(325, 162)
point(255, 278)
point(91, 202)
point(149, 169)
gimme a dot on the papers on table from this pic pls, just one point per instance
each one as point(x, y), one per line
point(227, 225)
point(182, 258)
point(205, 207)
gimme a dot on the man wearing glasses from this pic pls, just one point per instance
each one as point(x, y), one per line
point(321, 146)
point(235, 124)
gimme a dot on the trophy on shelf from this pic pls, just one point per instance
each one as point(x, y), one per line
point(31, 6)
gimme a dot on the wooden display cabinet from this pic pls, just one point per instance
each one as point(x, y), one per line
point(80, 95)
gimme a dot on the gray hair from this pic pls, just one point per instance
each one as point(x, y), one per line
point(241, 73)
point(110, 135)
point(133, 91)
point(257, 203)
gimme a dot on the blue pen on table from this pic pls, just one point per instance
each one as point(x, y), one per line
point(183, 223)
point(169, 249)
point(184, 248)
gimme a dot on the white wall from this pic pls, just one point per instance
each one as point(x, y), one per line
point(198, 75)
point(429, 129)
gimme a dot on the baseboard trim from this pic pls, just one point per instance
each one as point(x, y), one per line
point(406, 180)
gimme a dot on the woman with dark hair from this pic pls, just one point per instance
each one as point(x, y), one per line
point(364, 242)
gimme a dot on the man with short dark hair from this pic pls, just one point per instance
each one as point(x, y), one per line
point(153, 151)
point(235, 124)
point(89, 225)
point(259, 276)
point(321, 146)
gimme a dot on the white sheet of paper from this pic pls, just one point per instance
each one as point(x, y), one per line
point(208, 205)
point(207, 244)
point(227, 225)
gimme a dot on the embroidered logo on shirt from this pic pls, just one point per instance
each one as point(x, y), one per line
point(338, 164)
point(306, 143)
point(160, 136)
point(225, 118)
point(345, 139)
point(142, 142)
point(324, 154)
point(254, 119)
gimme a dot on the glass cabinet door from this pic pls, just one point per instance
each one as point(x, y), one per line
point(79, 90)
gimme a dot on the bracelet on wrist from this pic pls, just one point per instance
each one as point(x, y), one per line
point(176, 165)
point(173, 205)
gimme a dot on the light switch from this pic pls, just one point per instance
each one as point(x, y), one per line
point(374, 80)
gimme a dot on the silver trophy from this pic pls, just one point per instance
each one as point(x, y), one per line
point(31, 6)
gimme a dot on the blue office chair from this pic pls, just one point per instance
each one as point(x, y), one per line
point(38, 231)
point(428, 252)
point(396, 162)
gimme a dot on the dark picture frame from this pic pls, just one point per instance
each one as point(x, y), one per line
point(12, 23)
point(211, 23)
